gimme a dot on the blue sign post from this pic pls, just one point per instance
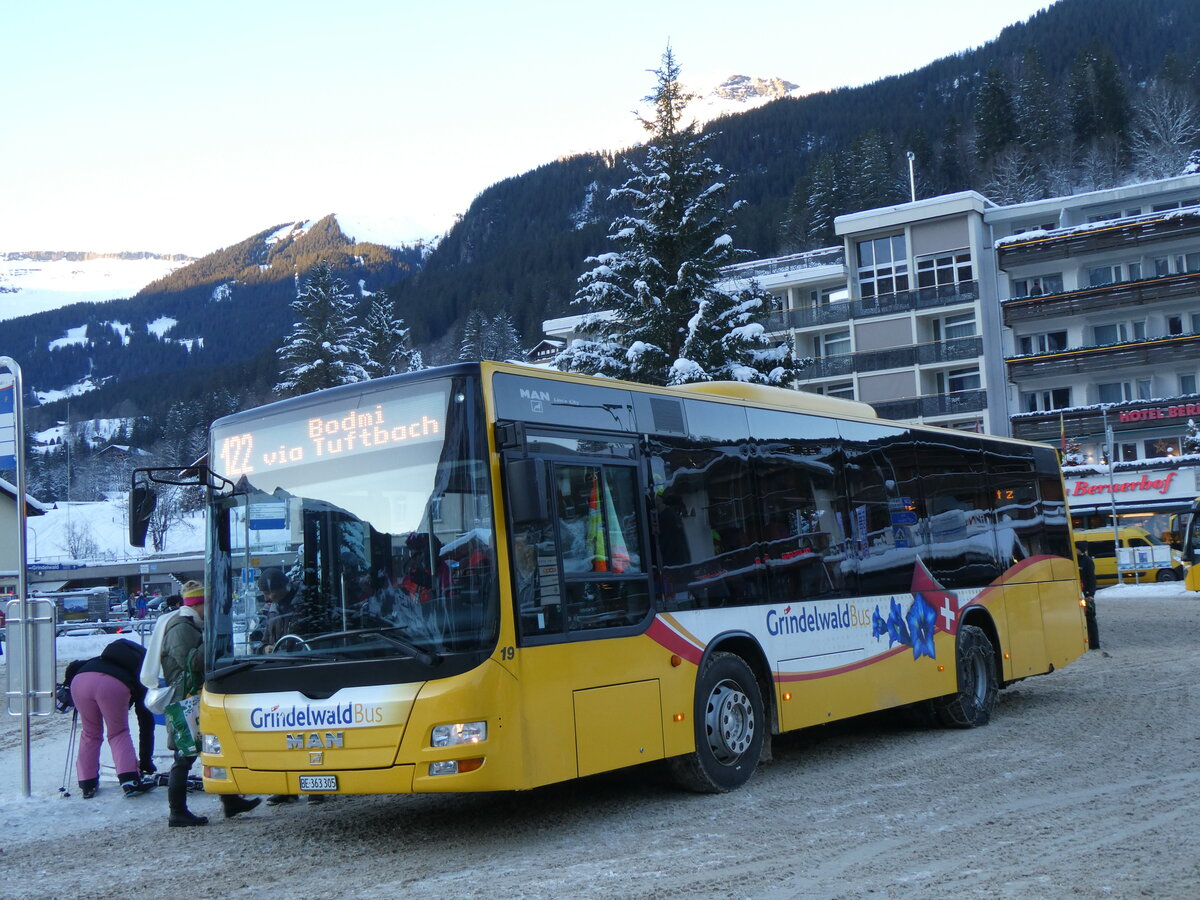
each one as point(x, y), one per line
point(27, 682)
point(8, 427)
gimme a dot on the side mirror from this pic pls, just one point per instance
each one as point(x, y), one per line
point(528, 491)
point(141, 506)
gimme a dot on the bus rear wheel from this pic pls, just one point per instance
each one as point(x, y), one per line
point(1165, 575)
point(729, 723)
point(971, 705)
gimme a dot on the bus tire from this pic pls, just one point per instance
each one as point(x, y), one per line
point(971, 706)
point(1165, 575)
point(730, 726)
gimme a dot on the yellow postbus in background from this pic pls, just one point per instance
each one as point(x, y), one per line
point(493, 577)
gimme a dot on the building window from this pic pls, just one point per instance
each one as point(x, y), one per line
point(947, 269)
point(1124, 391)
point(1187, 383)
point(1195, 323)
point(1119, 332)
point(1114, 392)
point(1126, 452)
point(843, 389)
point(1099, 275)
point(835, 343)
point(1040, 401)
point(958, 380)
point(952, 327)
point(1049, 342)
point(1174, 324)
point(1162, 266)
point(882, 266)
point(1158, 447)
point(1192, 262)
point(825, 296)
point(1038, 285)
point(1025, 229)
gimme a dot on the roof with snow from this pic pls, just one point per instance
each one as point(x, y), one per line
point(32, 507)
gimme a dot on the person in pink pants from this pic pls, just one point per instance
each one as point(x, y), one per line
point(102, 691)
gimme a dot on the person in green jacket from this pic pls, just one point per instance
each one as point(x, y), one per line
point(183, 664)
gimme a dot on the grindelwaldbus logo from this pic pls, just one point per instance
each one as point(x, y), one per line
point(808, 620)
point(308, 716)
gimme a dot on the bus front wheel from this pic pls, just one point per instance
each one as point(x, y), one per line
point(971, 705)
point(729, 723)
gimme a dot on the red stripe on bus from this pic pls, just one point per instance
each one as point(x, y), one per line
point(661, 633)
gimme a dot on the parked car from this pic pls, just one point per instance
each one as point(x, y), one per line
point(1143, 557)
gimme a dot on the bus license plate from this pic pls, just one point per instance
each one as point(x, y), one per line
point(318, 782)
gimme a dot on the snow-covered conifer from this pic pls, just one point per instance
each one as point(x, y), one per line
point(1073, 453)
point(474, 334)
point(385, 340)
point(494, 338)
point(655, 311)
point(325, 348)
point(1191, 438)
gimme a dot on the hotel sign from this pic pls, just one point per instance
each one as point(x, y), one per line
point(1133, 487)
point(1182, 411)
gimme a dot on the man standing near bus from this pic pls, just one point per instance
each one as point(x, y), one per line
point(1087, 579)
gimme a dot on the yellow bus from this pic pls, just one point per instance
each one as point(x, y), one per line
point(494, 577)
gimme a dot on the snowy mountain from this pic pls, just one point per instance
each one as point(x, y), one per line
point(35, 281)
point(188, 327)
point(738, 93)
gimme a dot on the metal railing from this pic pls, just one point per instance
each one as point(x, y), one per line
point(867, 307)
point(955, 350)
point(932, 405)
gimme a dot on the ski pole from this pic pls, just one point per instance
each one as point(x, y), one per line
point(70, 754)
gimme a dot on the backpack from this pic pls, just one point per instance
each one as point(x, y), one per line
point(62, 692)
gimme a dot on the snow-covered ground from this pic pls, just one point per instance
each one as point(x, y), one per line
point(1095, 767)
point(105, 525)
point(29, 285)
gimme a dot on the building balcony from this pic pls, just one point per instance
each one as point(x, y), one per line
point(932, 405)
point(1119, 234)
point(956, 350)
point(1142, 354)
point(1120, 295)
point(883, 305)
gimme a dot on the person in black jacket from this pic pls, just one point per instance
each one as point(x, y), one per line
point(103, 690)
point(1087, 580)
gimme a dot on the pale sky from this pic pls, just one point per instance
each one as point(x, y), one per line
point(185, 127)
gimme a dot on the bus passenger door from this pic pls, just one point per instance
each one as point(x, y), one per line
point(581, 598)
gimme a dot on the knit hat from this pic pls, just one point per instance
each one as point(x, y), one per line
point(193, 594)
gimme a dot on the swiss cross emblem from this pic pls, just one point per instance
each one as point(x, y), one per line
point(944, 602)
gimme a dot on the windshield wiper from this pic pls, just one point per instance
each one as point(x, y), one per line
point(234, 668)
point(426, 657)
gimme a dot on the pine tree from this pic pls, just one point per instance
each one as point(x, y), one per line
point(325, 348)
point(1073, 453)
point(1191, 438)
point(655, 308)
point(995, 121)
point(474, 333)
point(1035, 111)
point(1099, 105)
point(494, 338)
point(385, 341)
point(505, 339)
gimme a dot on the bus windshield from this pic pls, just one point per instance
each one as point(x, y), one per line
point(353, 525)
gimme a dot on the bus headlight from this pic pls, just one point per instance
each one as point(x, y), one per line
point(460, 733)
point(210, 743)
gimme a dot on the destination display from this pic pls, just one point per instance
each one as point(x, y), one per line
point(363, 426)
